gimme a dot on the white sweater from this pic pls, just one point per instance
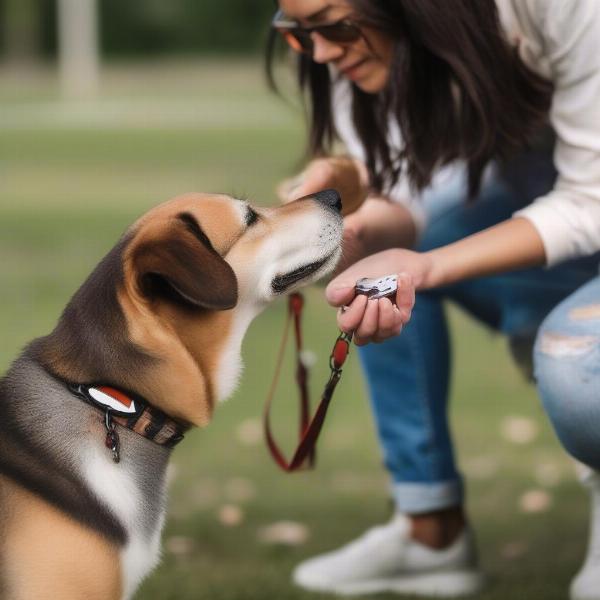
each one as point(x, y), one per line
point(560, 39)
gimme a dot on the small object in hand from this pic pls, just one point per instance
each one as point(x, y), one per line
point(383, 287)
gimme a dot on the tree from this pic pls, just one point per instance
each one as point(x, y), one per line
point(78, 48)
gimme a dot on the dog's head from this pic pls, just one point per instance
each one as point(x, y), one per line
point(165, 312)
point(214, 251)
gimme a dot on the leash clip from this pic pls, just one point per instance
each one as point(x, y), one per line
point(339, 352)
point(112, 437)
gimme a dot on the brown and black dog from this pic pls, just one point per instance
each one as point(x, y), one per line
point(145, 348)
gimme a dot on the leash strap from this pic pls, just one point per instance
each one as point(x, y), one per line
point(304, 455)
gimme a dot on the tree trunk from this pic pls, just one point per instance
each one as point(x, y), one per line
point(78, 49)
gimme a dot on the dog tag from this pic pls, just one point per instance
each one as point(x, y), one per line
point(383, 287)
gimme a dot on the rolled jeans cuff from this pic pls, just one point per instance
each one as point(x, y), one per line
point(415, 498)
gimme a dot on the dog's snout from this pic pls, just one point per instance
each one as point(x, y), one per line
point(330, 198)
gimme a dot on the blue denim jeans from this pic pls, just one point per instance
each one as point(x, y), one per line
point(408, 376)
point(567, 370)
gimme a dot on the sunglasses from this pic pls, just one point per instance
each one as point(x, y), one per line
point(299, 38)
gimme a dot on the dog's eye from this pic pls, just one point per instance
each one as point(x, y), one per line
point(251, 216)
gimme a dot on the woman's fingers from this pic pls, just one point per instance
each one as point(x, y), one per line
point(340, 293)
point(376, 320)
point(372, 320)
point(388, 321)
point(286, 190)
point(348, 176)
point(317, 176)
point(369, 323)
point(350, 317)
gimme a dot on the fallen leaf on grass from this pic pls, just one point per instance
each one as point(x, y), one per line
point(240, 489)
point(179, 545)
point(548, 474)
point(205, 493)
point(535, 501)
point(308, 358)
point(287, 533)
point(482, 467)
point(249, 432)
point(514, 550)
point(230, 515)
point(519, 430)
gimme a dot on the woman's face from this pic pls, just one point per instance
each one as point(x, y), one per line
point(365, 62)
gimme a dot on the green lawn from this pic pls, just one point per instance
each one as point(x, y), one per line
point(73, 177)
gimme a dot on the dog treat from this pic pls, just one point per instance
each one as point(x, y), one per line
point(383, 287)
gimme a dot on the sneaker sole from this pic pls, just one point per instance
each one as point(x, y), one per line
point(442, 585)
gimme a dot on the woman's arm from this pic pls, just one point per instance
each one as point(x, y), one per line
point(513, 244)
point(508, 246)
point(568, 217)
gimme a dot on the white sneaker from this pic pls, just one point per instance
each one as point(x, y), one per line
point(386, 559)
point(586, 585)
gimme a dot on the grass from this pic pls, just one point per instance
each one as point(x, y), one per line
point(70, 182)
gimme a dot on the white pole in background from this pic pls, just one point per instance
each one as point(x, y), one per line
point(78, 50)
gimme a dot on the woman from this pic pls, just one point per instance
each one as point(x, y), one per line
point(468, 85)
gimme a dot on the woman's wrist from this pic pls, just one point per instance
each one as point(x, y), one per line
point(442, 266)
point(431, 272)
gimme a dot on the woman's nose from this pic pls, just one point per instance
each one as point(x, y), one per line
point(325, 51)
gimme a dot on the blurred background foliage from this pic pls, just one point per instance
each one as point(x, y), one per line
point(142, 27)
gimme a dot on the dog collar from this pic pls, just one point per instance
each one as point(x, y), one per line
point(131, 411)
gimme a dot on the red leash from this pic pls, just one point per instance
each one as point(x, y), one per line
point(304, 455)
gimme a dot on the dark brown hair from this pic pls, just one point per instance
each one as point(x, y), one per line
point(457, 88)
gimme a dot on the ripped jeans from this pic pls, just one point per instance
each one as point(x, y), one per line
point(567, 371)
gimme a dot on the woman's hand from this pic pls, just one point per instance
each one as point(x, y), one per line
point(377, 225)
point(378, 320)
point(513, 244)
point(346, 175)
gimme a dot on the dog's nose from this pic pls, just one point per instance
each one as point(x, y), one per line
point(329, 198)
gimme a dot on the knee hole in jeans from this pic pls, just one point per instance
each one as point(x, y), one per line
point(585, 313)
point(558, 344)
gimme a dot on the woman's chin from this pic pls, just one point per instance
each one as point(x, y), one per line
point(372, 83)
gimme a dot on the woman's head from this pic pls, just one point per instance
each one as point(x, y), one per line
point(443, 70)
point(332, 33)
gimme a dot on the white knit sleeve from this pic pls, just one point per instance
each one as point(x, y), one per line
point(568, 218)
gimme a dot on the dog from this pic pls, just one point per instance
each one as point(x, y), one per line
point(147, 347)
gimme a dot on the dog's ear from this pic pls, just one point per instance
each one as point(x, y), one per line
point(179, 263)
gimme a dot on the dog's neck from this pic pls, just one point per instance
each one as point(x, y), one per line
point(119, 407)
point(182, 365)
